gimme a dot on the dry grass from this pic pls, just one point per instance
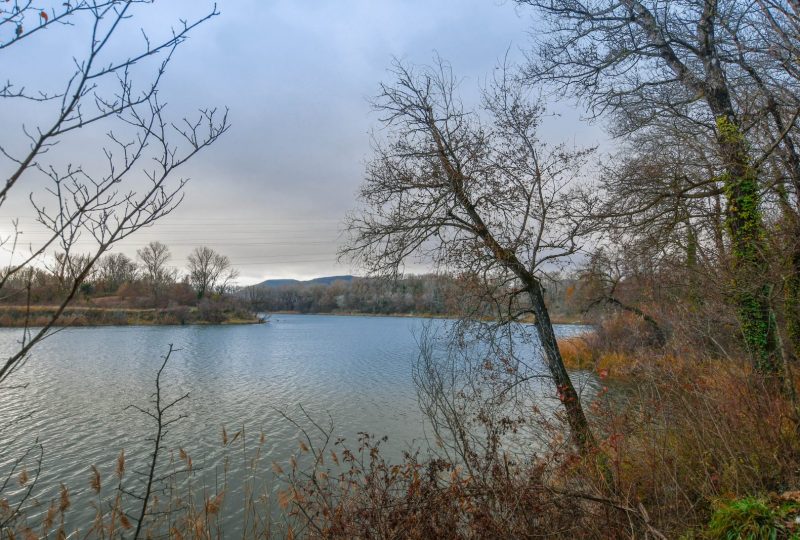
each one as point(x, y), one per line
point(582, 353)
point(577, 353)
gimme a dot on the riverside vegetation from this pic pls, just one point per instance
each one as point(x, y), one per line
point(120, 291)
point(424, 295)
point(684, 253)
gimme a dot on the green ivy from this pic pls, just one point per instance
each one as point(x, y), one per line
point(792, 307)
point(745, 226)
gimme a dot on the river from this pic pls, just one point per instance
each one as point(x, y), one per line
point(81, 380)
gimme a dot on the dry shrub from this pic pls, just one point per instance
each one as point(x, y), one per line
point(577, 352)
point(581, 353)
point(433, 498)
point(623, 332)
point(685, 426)
point(691, 432)
point(615, 347)
point(676, 440)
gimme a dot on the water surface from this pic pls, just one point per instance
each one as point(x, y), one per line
point(357, 369)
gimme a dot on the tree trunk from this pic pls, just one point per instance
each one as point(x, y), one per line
point(748, 246)
point(742, 192)
point(578, 424)
point(695, 299)
point(792, 301)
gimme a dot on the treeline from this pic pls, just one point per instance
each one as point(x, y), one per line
point(424, 294)
point(116, 280)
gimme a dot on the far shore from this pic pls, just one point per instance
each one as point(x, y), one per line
point(555, 320)
point(15, 316)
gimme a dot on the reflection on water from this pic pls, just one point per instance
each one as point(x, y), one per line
point(358, 369)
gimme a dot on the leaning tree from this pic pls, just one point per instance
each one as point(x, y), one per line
point(474, 192)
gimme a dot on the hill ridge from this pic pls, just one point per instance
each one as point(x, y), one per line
point(323, 280)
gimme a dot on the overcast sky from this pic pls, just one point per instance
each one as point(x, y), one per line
point(296, 75)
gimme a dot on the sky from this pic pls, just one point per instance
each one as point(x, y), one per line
point(296, 76)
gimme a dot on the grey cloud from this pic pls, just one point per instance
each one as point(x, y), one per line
point(296, 76)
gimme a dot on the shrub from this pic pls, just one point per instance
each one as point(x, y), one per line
point(211, 311)
point(577, 352)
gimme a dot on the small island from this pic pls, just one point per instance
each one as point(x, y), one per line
point(119, 291)
point(88, 315)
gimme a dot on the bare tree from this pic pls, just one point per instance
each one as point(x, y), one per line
point(66, 268)
point(154, 257)
point(115, 269)
point(720, 69)
point(210, 272)
point(484, 198)
point(605, 273)
point(143, 148)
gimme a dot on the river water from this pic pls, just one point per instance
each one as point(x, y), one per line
point(80, 381)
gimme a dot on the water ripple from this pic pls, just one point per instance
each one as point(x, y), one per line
point(81, 380)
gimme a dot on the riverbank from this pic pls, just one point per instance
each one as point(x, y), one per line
point(21, 316)
point(555, 320)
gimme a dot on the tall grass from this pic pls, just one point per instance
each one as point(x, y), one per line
point(184, 503)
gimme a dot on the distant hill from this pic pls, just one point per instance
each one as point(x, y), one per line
point(326, 280)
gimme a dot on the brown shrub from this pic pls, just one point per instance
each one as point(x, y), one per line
point(577, 352)
point(107, 301)
point(680, 436)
